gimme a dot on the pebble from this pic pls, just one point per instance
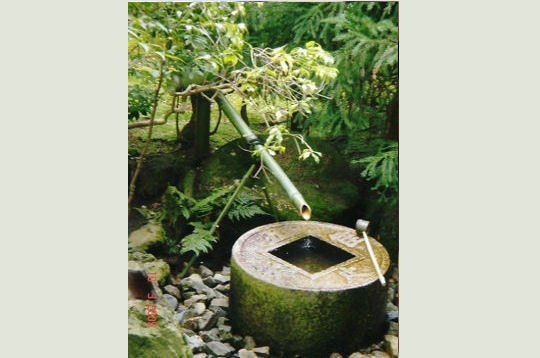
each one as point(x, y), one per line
point(199, 308)
point(172, 290)
point(195, 343)
point(219, 349)
point(245, 353)
point(221, 278)
point(172, 302)
point(220, 302)
point(393, 329)
point(379, 354)
point(262, 351)
point(358, 355)
point(391, 344)
point(205, 271)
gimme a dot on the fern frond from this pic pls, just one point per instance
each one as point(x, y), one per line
point(204, 206)
point(199, 241)
point(244, 207)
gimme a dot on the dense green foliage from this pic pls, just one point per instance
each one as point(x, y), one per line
point(363, 39)
point(139, 101)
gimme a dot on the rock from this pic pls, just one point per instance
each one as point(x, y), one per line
point(393, 329)
point(170, 300)
point(245, 353)
point(249, 343)
point(172, 290)
point(207, 321)
point(218, 311)
point(205, 271)
point(223, 288)
point(262, 351)
point(391, 344)
point(200, 355)
point(237, 341)
point(379, 354)
point(195, 298)
point(224, 328)
point(139, 284)
point(219, 349)
point(392, 315)
point(222, 321)
point(222, 278)
point(184, 315)
point(199, 308)
point(210, 281)
point(220, 295)
point(220, 302)
point(191, 323)
point(391, 293)
point(152, 265)
point(146, 237)
point(164, 339)
point(211, 335)
point(358, 355)
point(195, 343)
point(391, 307)
point(195, 282)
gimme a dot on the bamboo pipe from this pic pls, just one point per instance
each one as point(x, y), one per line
point(278, 173)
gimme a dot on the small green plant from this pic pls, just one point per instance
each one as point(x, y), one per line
point(140, 101)
point(188, 221)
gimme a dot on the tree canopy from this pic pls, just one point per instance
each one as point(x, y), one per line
point(333, 66)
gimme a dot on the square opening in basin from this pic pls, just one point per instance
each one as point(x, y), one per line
point(311, 254)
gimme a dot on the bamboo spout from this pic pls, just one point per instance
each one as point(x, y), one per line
point(278, 173)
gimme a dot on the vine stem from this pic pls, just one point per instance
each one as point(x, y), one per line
point(148, 138)
point(221, 216)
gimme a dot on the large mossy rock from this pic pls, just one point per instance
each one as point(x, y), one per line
point(151, 264)
point(328, 187)
point(159, 170)
point(164, 339)
point(147, 237)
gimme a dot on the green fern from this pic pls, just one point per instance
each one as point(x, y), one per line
point(216, 199)
point(244, 207)
point(199, 241)
point(382, 169)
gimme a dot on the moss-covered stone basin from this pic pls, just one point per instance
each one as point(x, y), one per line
point(297, 304)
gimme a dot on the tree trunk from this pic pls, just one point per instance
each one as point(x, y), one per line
point(393, 119)
point(201, 121)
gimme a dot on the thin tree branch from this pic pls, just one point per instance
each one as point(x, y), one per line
point(148, 138)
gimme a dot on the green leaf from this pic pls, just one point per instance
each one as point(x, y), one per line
point(230, 59)
point(144, 46)
point(200, 241)
point(161, 55)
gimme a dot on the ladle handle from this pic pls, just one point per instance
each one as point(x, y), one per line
point(374, 259)
point(361, 226)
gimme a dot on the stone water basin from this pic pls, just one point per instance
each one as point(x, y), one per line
point(307, 288)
